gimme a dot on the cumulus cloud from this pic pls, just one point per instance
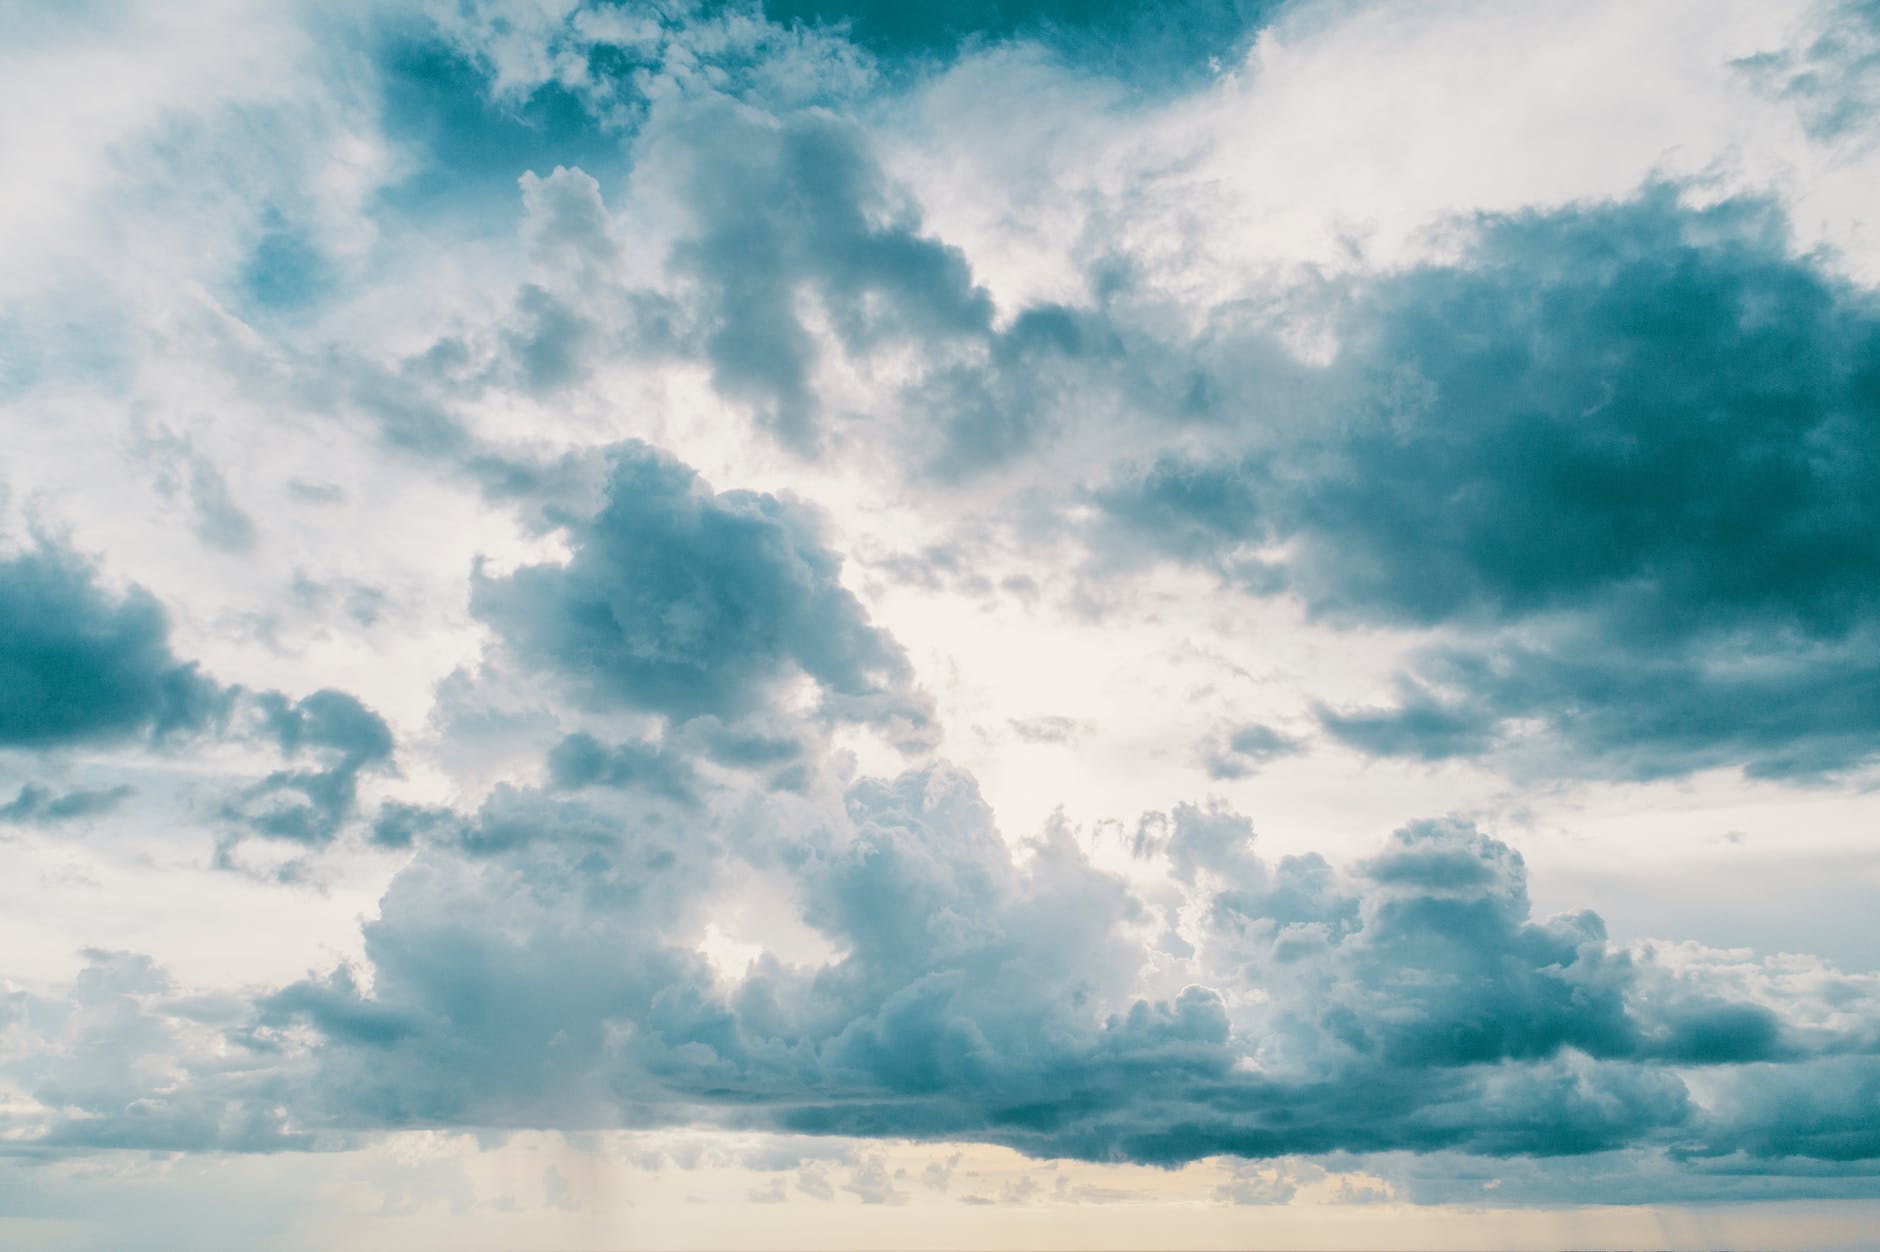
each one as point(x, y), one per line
point(688, 603)
point(125, 1061)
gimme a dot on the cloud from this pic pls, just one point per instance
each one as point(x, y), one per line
point(1822, 1111)
point(1265, 1182)
point(870, 1181)
point(1620, 1176)
point(1047, 728)
point(1410, 1004)
point(580, 760)
point(798, 204)
point(686, 603)
point(1422, 726)
point(220, 523)
point(38, 805)
point(1831, 80)
point(1616, 453)
point(126, 1062)
point(80, 664)
point(1604, 471)
point(309, 805)
point(1176, 42)
point(1243, 750)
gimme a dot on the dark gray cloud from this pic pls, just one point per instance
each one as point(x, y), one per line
point(686, 602)
point(580, 760)
point(398, 824)
point(550, 341)
point(1018, 391)
point(78, 663)
point(1628, 401)
point(1622, 453)
point(1189, 510)
point(1421, 725)
point(1823, 1111)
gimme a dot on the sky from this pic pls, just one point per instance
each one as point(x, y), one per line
point(1015, 623)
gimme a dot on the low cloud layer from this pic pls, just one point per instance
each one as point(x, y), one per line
point(1409, 1003)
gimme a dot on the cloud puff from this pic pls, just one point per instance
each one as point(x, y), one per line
point(310, 805)
point(1243, 750)
point(799, 205)
point(685, 602)
point(78, 663)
